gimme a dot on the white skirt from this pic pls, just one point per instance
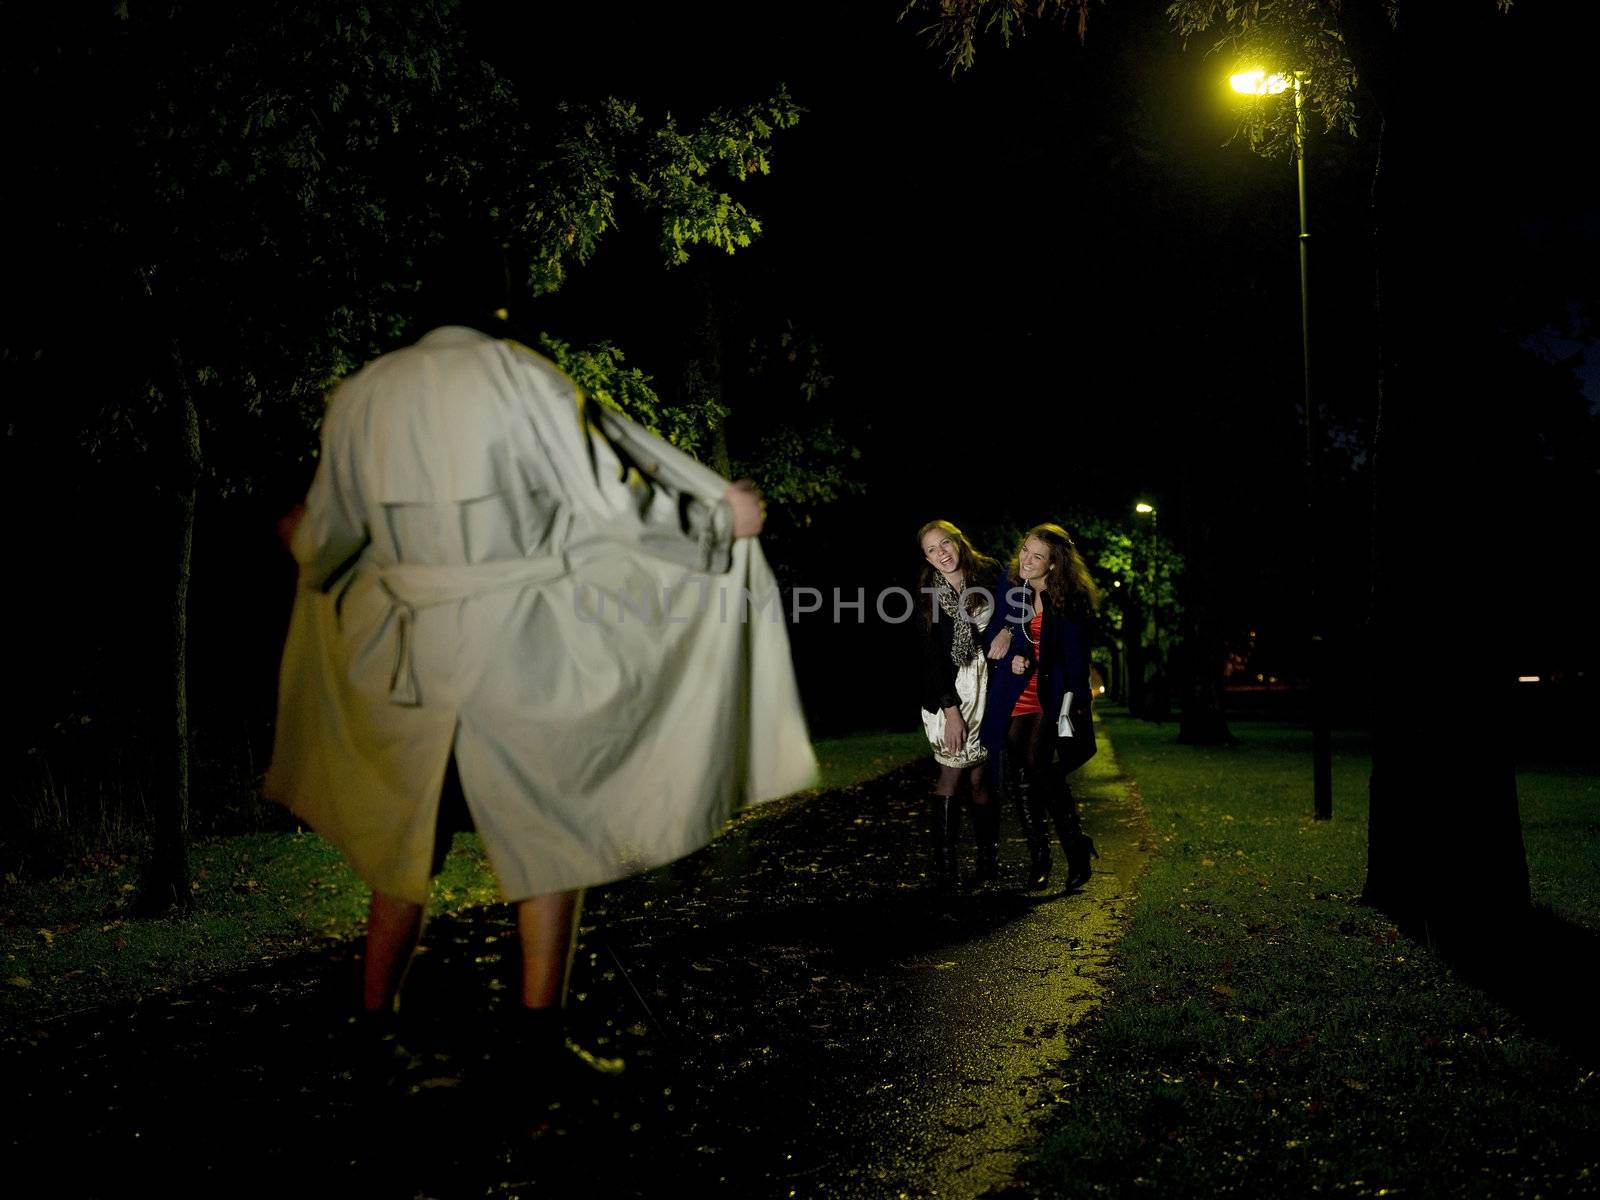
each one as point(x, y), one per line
point(972, 685)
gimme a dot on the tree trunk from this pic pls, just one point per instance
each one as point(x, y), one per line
point(165, 884)
point(702, 373)
point(1202, 721)
point(1158, 690)
point(1445, 850)
point(1117, 684)
point(1133, 621)
point(1156, 685)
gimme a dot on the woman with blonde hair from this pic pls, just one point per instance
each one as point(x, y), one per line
point(1038, 719)
point(957, 617)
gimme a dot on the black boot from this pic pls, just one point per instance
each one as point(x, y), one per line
point(986, 831)
point(946, 836)
point(378, 1060)
point(1078, 846)
point(541, 1058)
point(1024, 791)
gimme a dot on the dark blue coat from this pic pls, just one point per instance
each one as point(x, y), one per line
point(1062, 665)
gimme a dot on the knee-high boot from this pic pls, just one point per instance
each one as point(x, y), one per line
point(1078, 846)
point(946, 835)
point(986, 831)
point(1024, 786)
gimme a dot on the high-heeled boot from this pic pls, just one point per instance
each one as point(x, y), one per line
point(1024, 791)
point(946, 836)
point(986, 831)
point(1078, 846)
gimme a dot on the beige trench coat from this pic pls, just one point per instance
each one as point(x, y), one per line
point(492, 567)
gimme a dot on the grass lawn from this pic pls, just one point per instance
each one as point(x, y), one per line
point(1268, 1035)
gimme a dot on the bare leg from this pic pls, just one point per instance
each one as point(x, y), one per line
point(393, 927)
point(546, 925)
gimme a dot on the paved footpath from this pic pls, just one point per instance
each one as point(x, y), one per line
point(801, 1014)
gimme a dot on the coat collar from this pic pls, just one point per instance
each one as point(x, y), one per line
point(453, 335)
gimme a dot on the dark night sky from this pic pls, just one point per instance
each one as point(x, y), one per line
point(1035, 234)
point(1063, 224)
point(1041, 285)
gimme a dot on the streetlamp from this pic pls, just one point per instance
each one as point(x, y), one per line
point(1259, 83)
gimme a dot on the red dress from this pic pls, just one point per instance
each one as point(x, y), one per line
point(1028, 702)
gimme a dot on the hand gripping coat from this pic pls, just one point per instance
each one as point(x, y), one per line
point(494, 568)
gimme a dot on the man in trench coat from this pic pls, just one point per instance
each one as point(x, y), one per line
point(516, 599)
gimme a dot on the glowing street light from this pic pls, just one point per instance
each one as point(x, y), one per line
point(1260, 83)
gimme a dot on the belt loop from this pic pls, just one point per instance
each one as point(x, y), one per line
point(403, 682)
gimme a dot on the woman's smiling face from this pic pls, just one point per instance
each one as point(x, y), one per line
point(941, 551)
point(1033, 560)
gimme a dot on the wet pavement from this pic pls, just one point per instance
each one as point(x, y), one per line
point(802, 1015)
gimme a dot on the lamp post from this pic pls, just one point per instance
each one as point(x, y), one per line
point(1144, 597)
point(1259, 83)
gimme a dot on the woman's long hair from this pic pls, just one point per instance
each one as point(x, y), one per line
point(978, 570)
point(1069, 590)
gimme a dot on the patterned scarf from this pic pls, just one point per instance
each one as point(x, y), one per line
point(962, 648)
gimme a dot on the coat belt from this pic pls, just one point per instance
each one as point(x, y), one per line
point(412, 586)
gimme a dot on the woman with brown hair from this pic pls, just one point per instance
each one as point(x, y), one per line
point(957, 617)
point(1038, 720)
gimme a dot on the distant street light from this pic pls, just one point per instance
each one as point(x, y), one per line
point(1259, 83)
